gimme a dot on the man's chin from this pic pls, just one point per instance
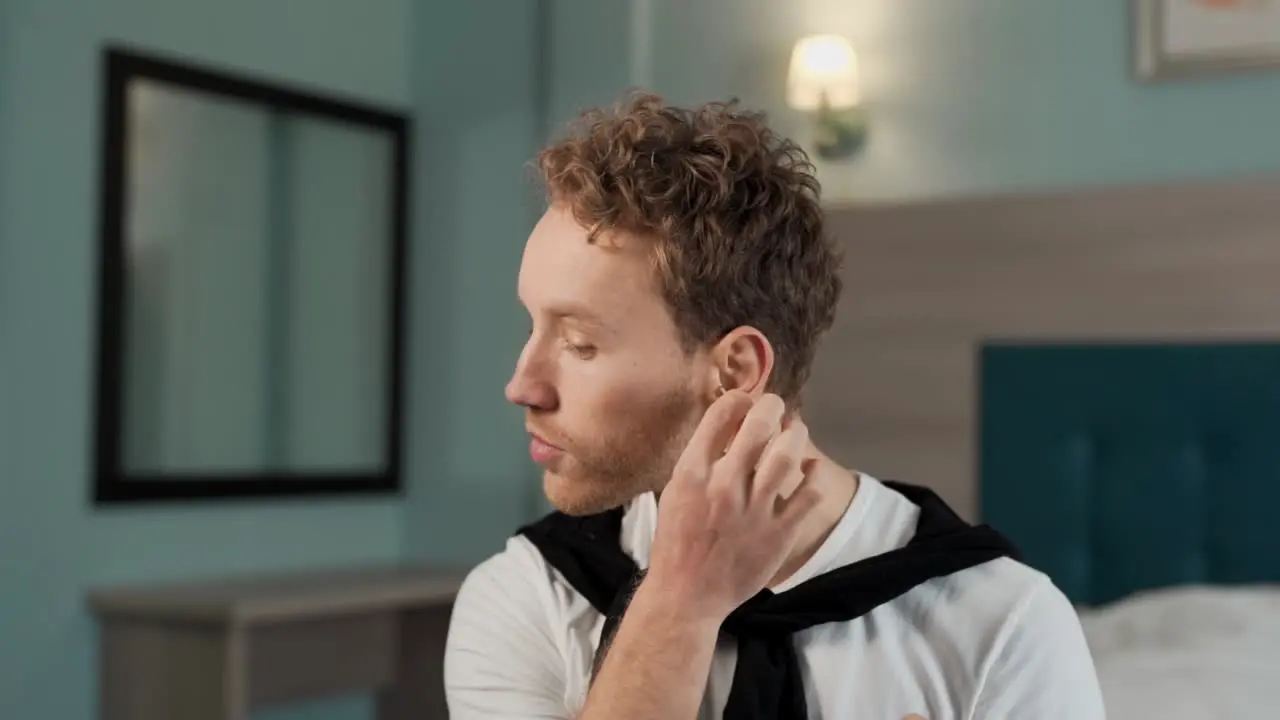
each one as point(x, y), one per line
point(579, 497)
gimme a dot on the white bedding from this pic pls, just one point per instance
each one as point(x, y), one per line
point(1189, 653)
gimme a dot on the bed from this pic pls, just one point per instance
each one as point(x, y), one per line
point(1145, 480)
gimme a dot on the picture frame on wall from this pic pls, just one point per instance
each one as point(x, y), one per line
point(1184, 38)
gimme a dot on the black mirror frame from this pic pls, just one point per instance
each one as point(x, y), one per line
point(111, 484)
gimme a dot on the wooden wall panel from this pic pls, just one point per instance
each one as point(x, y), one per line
point(893, 390)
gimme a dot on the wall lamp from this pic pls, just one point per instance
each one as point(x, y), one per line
point(823, 80)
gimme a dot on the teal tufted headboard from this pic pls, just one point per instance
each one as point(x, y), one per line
point(1118, 468)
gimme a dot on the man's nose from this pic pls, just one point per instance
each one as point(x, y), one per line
point(527, 389)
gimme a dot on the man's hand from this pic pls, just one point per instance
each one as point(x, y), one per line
point(727, 520)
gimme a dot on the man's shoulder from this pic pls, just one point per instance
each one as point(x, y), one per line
point(507, 652)
point(1000, 588)
point(1035, 661)
point(516, 574)
point(509, 593)
point(992, 599)
point(518, 580)
point(982, 600)
point(1014, 632)
point(1007, 614)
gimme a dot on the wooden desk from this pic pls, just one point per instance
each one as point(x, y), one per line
point(221, 650)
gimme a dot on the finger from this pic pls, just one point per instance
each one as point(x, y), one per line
point(758, 429)
point(807, 464)
point(802, 501)
point(781, 467)
point(716, 430)
point(794, 480)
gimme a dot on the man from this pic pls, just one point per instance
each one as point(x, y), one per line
point(708, 560)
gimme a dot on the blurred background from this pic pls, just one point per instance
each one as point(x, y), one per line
point(1038, 216)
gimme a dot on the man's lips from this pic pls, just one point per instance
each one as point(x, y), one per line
point(541, 437)
point(542, 451)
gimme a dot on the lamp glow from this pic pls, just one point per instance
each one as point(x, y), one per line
point(824, 79)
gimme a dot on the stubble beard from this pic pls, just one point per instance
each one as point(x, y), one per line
point(636, 458)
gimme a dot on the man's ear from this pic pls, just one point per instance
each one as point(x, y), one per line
point(742, 360)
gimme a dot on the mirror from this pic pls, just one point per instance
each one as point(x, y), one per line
point(251, 299)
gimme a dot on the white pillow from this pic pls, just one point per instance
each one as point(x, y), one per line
point(1189, 653)
point(1186, 616)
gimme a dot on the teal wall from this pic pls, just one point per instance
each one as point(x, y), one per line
point(976, 96)
point(590, 56)
point(475, 90)
point(54, 545)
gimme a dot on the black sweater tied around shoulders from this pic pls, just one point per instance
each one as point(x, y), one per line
point(767, 683)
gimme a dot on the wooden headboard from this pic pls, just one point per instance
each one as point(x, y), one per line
point(894, 387)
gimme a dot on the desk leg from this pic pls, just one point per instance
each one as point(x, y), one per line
point(418, 692)
point(158, 671)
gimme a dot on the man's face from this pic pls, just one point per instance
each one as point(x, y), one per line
point(610, 395)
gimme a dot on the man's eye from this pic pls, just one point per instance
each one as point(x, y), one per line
point(586, 352)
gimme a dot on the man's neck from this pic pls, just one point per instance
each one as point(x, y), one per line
point(836, 487)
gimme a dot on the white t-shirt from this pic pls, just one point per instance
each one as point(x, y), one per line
point(996, 641)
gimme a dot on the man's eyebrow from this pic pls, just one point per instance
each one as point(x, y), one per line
point(578, 313)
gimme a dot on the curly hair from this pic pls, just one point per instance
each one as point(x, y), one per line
point(732, 210)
